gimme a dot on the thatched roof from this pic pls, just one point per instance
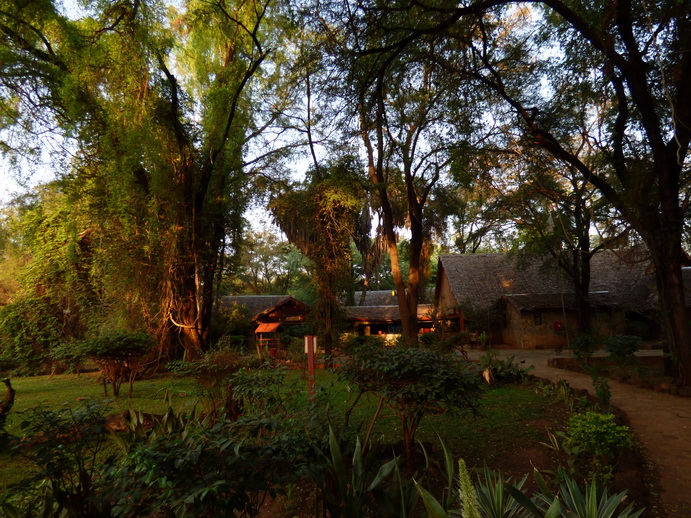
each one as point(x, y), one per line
point(377, 298)
point(258, 304)
point(534, 282)
point(384, 313)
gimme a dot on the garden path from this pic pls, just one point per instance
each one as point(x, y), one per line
point(662, 423)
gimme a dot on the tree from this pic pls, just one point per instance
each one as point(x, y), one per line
point(319, 217)
point(155, 106)
point(268, 264)
point(556, 212)
point(613, 74)
point(399, 113)
point(413, 383)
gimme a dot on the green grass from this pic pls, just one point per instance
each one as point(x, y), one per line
point(511, 422)
point(55, 391)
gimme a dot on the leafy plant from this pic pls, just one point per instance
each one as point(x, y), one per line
point(68, 446)
point(503, 370)
point(573, 503)
point(622, 348)
point(29, 330)
point(413, 383)
point(583, 347)
point(70, 355)
point(600, 440)
point(119, 354)
point(346, 487)
point(603, 392)
point(217, 467)
point(494, 497)
point(261, 390)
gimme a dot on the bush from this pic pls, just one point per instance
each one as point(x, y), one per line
point(413, 383)
point(68, 357)
point(29, 330)
point(583, 347)
point(212, 371)
point(503, 370)
point(599, 440)
point(622, 348)
point(119, 355)
point(353, 343)
point(68, 446)
point(494, 496)
point(215, 468)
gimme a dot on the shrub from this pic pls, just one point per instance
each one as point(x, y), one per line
point(119, 355)
point(352, 343)
point(348, 481)
point(67, 446)
point(495, 497)
point(68, 356)
point(29, 330)
point(600, 440)
point(622, 348)
point(503, 370)
point(212, 371)
point(218, 467)
point(603, 392)
point(413, 383)
point(583, 347)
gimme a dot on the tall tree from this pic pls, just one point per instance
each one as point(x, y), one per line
point(616, 71)
point(156, 107)
point(319, 217)
point(408, 136)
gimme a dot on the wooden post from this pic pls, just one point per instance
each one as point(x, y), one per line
point(310, 347)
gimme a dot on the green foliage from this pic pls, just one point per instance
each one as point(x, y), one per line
point(414, 383)
point(603, 392)
point(119, 355)
point(29, 330)
point(231, 326)
point(352, 343)
point(182, 467)
point(622, 348)
point(562, 392)
point(68, 447)
point(599, 436)
point(571, 502)
point(599, 440)
point(212, 371)
point(119, 346)
point(68, 356)
point(583, 347)
point(503, 370)
point(261, 391)
point(348, 487)
point(495, 497)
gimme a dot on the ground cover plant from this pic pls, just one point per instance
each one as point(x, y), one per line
point(181, 464)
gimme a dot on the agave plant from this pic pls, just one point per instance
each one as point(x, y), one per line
point(348, 485)
point(594, 504)
point(494, 498)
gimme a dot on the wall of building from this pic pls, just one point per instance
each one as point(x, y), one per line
point(537, 329)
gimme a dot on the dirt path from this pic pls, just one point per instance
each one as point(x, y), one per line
point(662, 423)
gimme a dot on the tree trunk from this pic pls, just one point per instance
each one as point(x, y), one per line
point(667, 258)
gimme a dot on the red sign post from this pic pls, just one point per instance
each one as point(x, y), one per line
point(310, 348)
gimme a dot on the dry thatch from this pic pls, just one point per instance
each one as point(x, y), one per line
point(533, 282)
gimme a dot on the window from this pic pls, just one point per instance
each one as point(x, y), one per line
point(537, 318)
